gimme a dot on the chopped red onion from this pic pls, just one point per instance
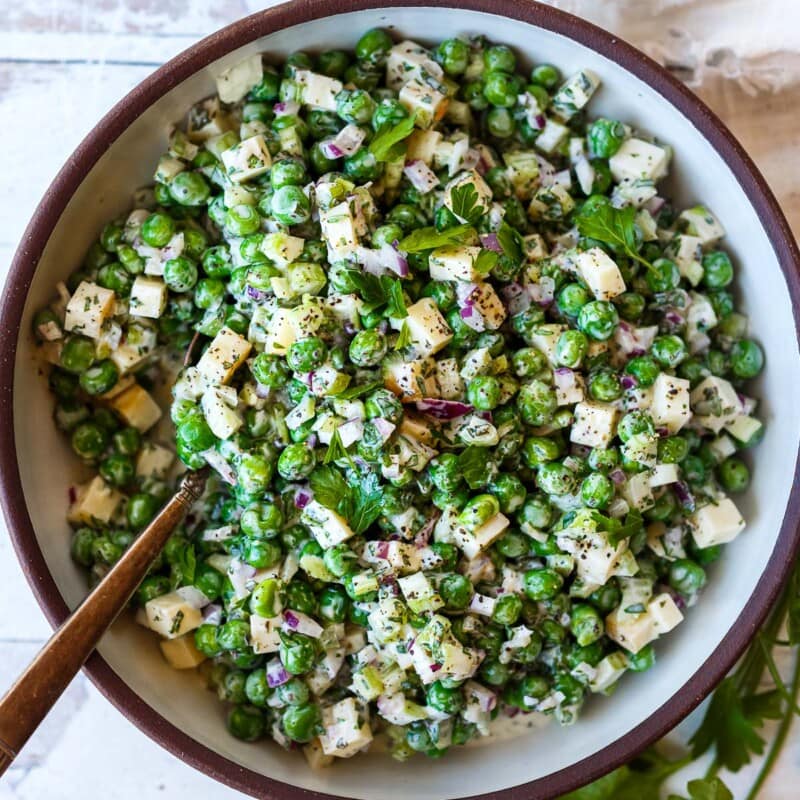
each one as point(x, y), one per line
point(187, 358)
point(257, 295)
point(627, 382)
point(312, 440)
point(617, 477)
point(443, 409)
point(239, 574)
point(377, 262)
point(72, 493)
point(673, 317)
point(684, 495)
point(422, 177)
point(286, 109)
point(262, 392)
point(465, 290)
point(565, 380)
point(329, 149)
point(654, 204)
point(424, 533)
point(297, 622)
point(302, 497)
point(516, 299)
point(547, 172)
point(212, 614)
point(490, 242)
point(276, 673)
point(218, 463)
point(384, 428)
point(543, 292)
point(487, 699)
point(193, 596)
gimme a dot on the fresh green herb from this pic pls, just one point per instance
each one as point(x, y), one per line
point(361, 504)
point(466, 203)
point(328, 485)
point(377, 292)
point(510, 239)
point(474, 466)
point(485, 261)
point(634, 523)
point(615, 227)
point(396, 303)
point(336, 449)
point(429, 238)
point(386, 146)
point(354, 392)
point(183, 566)
point(404, 339)
point(706, 789)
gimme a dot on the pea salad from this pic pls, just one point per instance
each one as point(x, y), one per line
point(472, 390)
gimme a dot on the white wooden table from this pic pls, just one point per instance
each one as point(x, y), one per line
point(63, 63)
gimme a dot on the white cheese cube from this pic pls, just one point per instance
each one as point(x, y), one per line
point(743, 428)
point(455, 190)
point(301, 413)
point(638, 492)
point(223, 420)
point(422, 145)
point(551, 203)
point(281, 334)
point(171, 616)
point(282, 248)
point(427, 327)
point(715, 403)
point(600, 273)
point(265, 633)
point(631, 631)
point(226, 353)
point(455, 263)
point(419, 593)
point(95, 503)
point(410, 61)
point(411, 380)
point(703, 224)
point(722, 447)
point(663, 612)
point(328, 527)
point(638, 159)
point(319, 91)
point(137, 408)
point(153, 461)
point(545, 338)
point(88, 309)
point(718, 523)
point(344, 734)
point(489, 306)
point(315, 757)
point(246, 160)
point(552, 135)
point(570, 388)
point(608, 672)
point(595, 424)
point(421, 99)
point(664, 474)
point(670, 407)
point(338, 230)
point(476, 362)
point(181, 653)
point(686, 251)
point(236, 81)
point(575, 93)
point(487, 533)
point(148, 297)
point(448, 379)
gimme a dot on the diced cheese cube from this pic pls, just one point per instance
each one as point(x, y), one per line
point(338, 230)
point(456, 190)
point(545, 338)
point(595, 424)
point(265, 633)
point(412, 380)
point(223, 420)
point(722, 447)
point(686, 252)
point(282, 248)
point(428, 104)
point(345, 735)
point(346, 308)
point(744, 429)
point(634, 631)
point(88, 309)
point(236, 81)
point(454, 263)
point(427, 328)
point(148, 297)
point(670, 407)
point(416, 428)
point(664, 613)
point(171, 616)
point(552, 135)
point(95, 503)
point(319, 91)
point(301, 413)
point(570, 388)
point(226, 353)
point(638, 159)
point(246, 160)
point(137, 408)
point(422, 145)
point(315, 756)
point(489, 306)
point(575, 93)
point(476, 362)
point(608, 672)
point(715, 403)
point(551, 203)
point(664, 474)
point(486, 534)
point(638, 492)
point(600, 273)
point(419, 593)
point(327, 527)
point(181, 653)
point(703, 224)
point(717, 523)
point(153, 461)
point(448, 379)
point(410, 61)
point(281, 333)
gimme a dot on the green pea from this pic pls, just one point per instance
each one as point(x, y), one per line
point(261, 519)
point(479, 511)
point(499, 57)
point(374, 46)
point(546, 75)
point(288, 172)
point(605, 137)
point(333, 604)
point(495, 673)
point(340, 560)
point(151, 587)
point(630, 305)
point(247, 723)
point(117, 470)
point(158, 229)
point(114, 276)
point(297, 653)
point(180, 274)
point(542, 583)
point(142, 507)
point(483, 392)
point(290, 205)
point(368, 348)
point(528, 361)
point(500, 123)
point(263, 600)
point(267, 90)
point(722, 302)
point(672, 449)
point(453, 56)
point(500, 89)
point(81, 547)
point(586, 625)
point(694, 470)
point(607, 597)
point(539, 450)
point(664, 276)
point(242, 220)
point(571, 348)
point(456, 591)
point(536, 402)
point(77, 355)
point(89, 440)
point(669, 350)
point(633, 423)
point(597, 491)
point(536, 511)
point(717, 269)
point(644, 369)
point(296, 462)
point(572, 298)
point(100, 378)
point(733, 475)
point(195, 433)
point(507, 609)
point(598, 319)
point(382, 403)
point(127, 441)
point(747, 359)
point(355, 106)
point(686, 576)
point(189, 189)
point(509, 491)
point(643, 660)
point(333, 63)
point(604, 385)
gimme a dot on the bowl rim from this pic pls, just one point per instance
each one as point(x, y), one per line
point(120, 117)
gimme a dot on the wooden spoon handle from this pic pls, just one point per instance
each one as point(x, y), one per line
point(28, 701)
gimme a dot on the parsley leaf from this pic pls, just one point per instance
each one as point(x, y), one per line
point(485, 261)
point(615, 227)
point(328, 485)
point(706, 789)
point(353, 392)
point(370, 288)
point(404, 339)
point(510, 239)
point(396, 303)
point(475, 467)
point(634, 522)
point(336, 449)
point(363, 502)
point(429, 238)
point(726, 725)
point(466, 203)
point(385, 144)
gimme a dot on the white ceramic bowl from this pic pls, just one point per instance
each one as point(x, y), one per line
point(173, 707)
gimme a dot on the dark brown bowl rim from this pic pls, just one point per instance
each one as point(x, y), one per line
point(47, 214)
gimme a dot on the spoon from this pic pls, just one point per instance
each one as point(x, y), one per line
point(32, 696)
